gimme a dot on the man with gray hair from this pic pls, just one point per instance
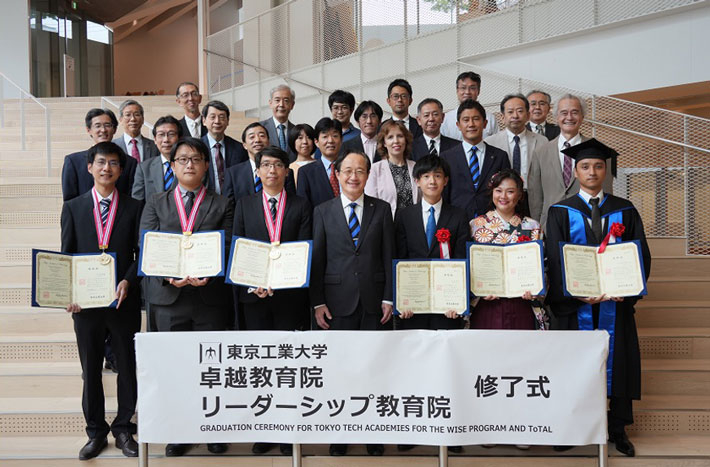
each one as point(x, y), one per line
point(281, 101)
point(131, 118)
point(551, 178)
point(540, 105)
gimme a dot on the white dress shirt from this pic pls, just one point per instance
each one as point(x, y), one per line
point(404, 120)
point(139, 142)
point(449, 128)
point(195, 126)
point(369, 145)
point(523, 143)
point(587, 196)
point(164, 159)
point(437, 142)
point(561, 145)
point(480, 153)
point(213, 160)
point(425, 212)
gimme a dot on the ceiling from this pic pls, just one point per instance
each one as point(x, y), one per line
point(105, 12)
point(692, 98)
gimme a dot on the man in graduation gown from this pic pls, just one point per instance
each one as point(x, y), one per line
point(586, 219)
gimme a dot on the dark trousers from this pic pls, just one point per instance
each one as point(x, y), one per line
point(429, 321)
point(90, 327)
point(359, 321)
point(620, 414)
point(284, 311)
point(190, 313)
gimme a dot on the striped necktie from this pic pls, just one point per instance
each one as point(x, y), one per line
point(257, 184)
point(105, 203)
point(473, 167)
point(168, 177)
point(432, 148)
point(353, 224)
point(282, 138)
point(567, 166)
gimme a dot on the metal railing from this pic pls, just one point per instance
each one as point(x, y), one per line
point(105, 102)
point(22, 97)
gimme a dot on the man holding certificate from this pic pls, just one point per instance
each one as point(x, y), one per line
point(115, 220)
point(188, 303)
point(589, 218)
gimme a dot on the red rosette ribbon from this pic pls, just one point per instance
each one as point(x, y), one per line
point(443, 236)
point(524, 238)
point(616, 230)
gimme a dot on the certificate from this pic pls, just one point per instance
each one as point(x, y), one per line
point(618, 272)
point(507, 270)
point(176, 255)
point(59, 279)
point(253, 263)
point(434, 286)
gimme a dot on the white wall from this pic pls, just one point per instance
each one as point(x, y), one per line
point(15, 43)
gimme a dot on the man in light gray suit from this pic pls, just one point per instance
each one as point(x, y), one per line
point(551, 178)
point(155, 175)
point(281, 102)
point(519, 142)
point(131, 117)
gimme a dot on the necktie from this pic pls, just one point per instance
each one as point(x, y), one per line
point(257, 184)
point(195, 129)
point(168, 177)
point(539, 129)
point(431, 227)
point(220, 165)
point(105, 203)
point(516, 154)
point(567, 168)
point(282, 138)
point(596, 219)
point(473, 167)
point(334, 185)
point(190, 201)
point(432, 148)
point(272, 202)
point(353, 223)
point(135, 153)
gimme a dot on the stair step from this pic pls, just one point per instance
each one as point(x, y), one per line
point(39, 235)
point(674, 343)
point(21, 254)
point(690, 288)
point(661, 313)
point(670, 266)
point(24, 219)
point(22, 190)
point(675, 382)
point(47, 321)
point(664, 246)
point(670, 364)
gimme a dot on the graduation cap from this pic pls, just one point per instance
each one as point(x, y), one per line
point(592, 149)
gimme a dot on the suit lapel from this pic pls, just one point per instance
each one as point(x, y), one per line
point(367, 213)
point(258, 212)
point(204, 209)
point(340, 220)
point(489, 159)
point(442, 224)
point(418, 228)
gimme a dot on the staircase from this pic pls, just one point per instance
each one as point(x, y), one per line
point(41, 422)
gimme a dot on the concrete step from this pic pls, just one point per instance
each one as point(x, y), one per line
point(673, 266)
point(31, 203)
point(662, 313)
point(29, 219)
point(36, 322)
point(664, 246)
point(674, 343)
point(47, 379)
point(38, 235)
point(687, 287)
point(49, 187)
point(21, 254)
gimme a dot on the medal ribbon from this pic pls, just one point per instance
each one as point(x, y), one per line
point(104, 235)
point(188, 224)
point(274, 230)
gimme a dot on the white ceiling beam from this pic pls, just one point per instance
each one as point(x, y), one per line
point(149, 8)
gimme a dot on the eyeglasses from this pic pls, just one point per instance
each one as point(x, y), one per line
point(169, 134)
point(186, 160)
point(340, 108)
point(359, 173)
point(272, 165)
point(185, 95)
point(396, 97)
point(102, 163)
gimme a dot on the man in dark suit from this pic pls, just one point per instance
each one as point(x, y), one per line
point(430, 115)
point(540, 106)
point(79, 235)
point(188, 97)
point(399, 98)
point(155, 175)
point(190, 303)
point(281, 102)
point(130, 115)
point(351, 272)
point(472, 162)
point(224, 151)
point(318, 181)
point(369, 117)
point(242, 179)
point(281, 310)
point(101, 125)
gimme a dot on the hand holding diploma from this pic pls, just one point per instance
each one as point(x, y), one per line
point(121, 294)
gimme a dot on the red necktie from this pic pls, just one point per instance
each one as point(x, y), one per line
point(334, 182)
point(134, 152)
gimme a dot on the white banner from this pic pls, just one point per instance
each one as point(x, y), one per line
point(401, 387)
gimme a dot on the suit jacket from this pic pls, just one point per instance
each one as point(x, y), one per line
point(149, 179)
point(186, 130)
point(79, 236)
point(239, 181)
point(76, 179)
point(545, 182)
point(150, 150)
point(420, 148)
point(460, 191)
point(233, 153)
point(274, 135)
point(249, 222)
point(343, 275)
point(414, 127)
point(410, 236)
point(380, 184)
point(532, 139)
point(216, 213)
point(313, 183)
point(355, 144)
point(552, 131)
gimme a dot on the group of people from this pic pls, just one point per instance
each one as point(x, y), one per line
point(402, 188)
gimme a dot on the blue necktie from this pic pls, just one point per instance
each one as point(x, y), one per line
point(282, 138)
point(516, 154)
point(473, 167)
point(168, 177)
point(105, 203)
point(353, 223)
point(257, 184)
point(431, 227)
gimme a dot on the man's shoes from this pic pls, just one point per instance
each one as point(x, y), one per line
point(92, 448)
point(338, 449)
point(405, 447)
point(286, 449)
point(622, 443)
point(261, 448)
point(175, 450)
point(455, 449)
point(127, 445)
point(111, 365)
point(217, 448)
point(375, 449)
point(562, 448)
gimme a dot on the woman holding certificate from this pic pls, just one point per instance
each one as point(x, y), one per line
point(500, 225)
point(391, 178)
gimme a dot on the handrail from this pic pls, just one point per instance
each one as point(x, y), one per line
point(681, 114)
point(22, 90)
point(110, 102)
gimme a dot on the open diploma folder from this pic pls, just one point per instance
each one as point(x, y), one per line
point(262, 264)
point(507, 270)
point(178, 256)
point(59, 279)
point(618, 272)
point(431, 286)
